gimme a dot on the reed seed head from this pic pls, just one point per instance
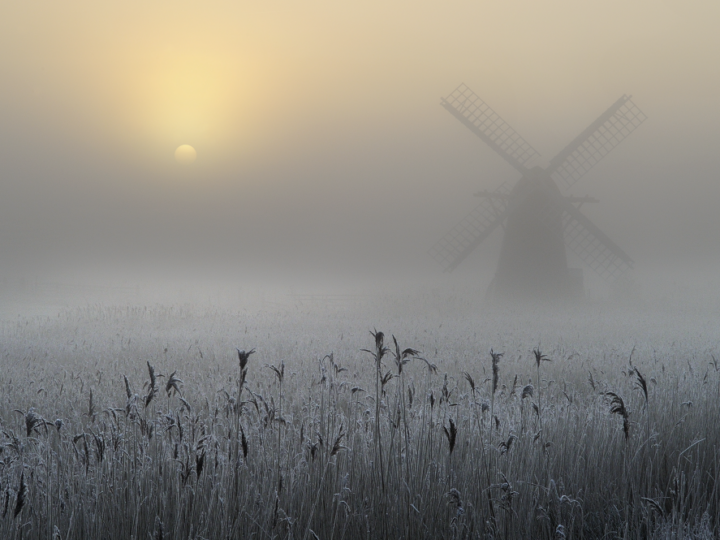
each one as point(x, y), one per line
point(243, 357)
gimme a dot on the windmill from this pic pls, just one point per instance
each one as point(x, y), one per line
point(539, 220)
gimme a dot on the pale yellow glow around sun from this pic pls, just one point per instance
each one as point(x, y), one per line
point(185, 154)
point(175, 97)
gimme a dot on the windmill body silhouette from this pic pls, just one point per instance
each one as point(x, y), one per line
point(539, 220)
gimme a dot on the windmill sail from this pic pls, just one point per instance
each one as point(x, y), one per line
point(479, 118)
point(593, 246)
point(472, 229)
point(593, 144)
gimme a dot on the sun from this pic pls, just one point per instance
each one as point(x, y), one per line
point(185, 154)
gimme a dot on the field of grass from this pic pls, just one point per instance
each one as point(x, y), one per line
point(146, 422)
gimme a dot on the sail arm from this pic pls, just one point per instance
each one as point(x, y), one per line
point(484, 122)
point(470, 231)
point(595, 142)
point(593, 246)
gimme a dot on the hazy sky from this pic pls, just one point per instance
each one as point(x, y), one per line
point(318, 129)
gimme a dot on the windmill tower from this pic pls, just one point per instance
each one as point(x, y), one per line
point(539, 219)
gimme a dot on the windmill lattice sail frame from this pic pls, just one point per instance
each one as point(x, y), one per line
point(482, 120)
point(471, 230)
point(593, 144)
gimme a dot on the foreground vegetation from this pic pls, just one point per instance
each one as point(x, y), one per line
point(119, 423)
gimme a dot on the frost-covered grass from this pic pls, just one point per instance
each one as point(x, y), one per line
point(320, 439)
